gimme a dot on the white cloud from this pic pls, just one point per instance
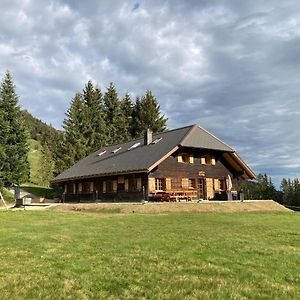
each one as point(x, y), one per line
point(232, 66)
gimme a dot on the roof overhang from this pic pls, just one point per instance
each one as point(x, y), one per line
point(239, 165)
point(56, 181)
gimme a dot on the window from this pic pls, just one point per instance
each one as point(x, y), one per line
point(121, 187)
point(87, 187)
point(102, 152)
point(116, 150)
point(208, 160)
point(132, 184)
point(192, 183)
point(185, 158)
point(159, 184)
point(222, 184)
point(70, 188)
point(109, 186)
point(134, 146)
point(157, 140)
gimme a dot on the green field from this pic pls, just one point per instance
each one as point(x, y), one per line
point(56, 255)
point(34, 158)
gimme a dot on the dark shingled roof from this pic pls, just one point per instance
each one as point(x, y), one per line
point(142, 158)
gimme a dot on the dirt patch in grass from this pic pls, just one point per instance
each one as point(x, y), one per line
point(162, 208)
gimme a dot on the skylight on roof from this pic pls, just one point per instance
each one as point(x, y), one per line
point(157, 140)
point(134, 146)
point(102, 152)
point(116, 150)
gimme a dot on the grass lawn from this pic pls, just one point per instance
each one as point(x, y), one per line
point(58, 255)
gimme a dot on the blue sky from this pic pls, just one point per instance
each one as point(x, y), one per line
point(231, 66)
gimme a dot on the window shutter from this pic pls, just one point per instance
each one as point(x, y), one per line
point(213, 160)
point(104, 186)
point(202, 160)
point(79, 188)
point(168, 184)
point(139, 184)
point(151, 183)
point(191, 158)
point(185, 183)
point(115, 185)
point(217, 185)
point(210, 188)
point(179, 157)
point(126, 185)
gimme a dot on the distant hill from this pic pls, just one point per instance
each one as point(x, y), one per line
point(34, 158)
point(40, 136)
point(39, 130)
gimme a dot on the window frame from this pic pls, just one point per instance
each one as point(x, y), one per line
point(159, 184)
point(185, 158)
point(192, 183)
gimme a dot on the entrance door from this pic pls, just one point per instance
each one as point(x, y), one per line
point(202, 188)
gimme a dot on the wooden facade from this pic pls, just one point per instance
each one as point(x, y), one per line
point(125, 188)
point(187, 163)
point(192, 174)
point(188, 174)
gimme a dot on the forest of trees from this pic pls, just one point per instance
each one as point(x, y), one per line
point(263, 188)
point(94, 119)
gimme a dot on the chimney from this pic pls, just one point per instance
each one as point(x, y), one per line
point(147, 136)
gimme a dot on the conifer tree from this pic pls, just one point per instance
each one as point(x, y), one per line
point(13, 139)
point(291, 191)
point(127, 108)
point(94, 125)
point(46, 169)
point(75, 146)
point(3, 137)
point(114, 117)
point(147, 115)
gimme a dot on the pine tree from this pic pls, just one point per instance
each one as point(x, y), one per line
point(147, 115)
point(3, 137)
point(118, 127)
point(127, 108)
point(291, 191)
point(74, 147)
point(94, 126)
point(46, 169)
point(14, 148)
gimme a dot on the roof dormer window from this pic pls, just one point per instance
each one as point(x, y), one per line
point(157, 140)
point(134, 146)
point(116, 150)
point(102, 152)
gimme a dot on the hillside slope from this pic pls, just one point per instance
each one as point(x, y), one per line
point(34, 158)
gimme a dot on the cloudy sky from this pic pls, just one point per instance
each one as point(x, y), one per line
point(231, 66)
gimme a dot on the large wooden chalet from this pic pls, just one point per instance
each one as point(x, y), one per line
point(187, 163)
